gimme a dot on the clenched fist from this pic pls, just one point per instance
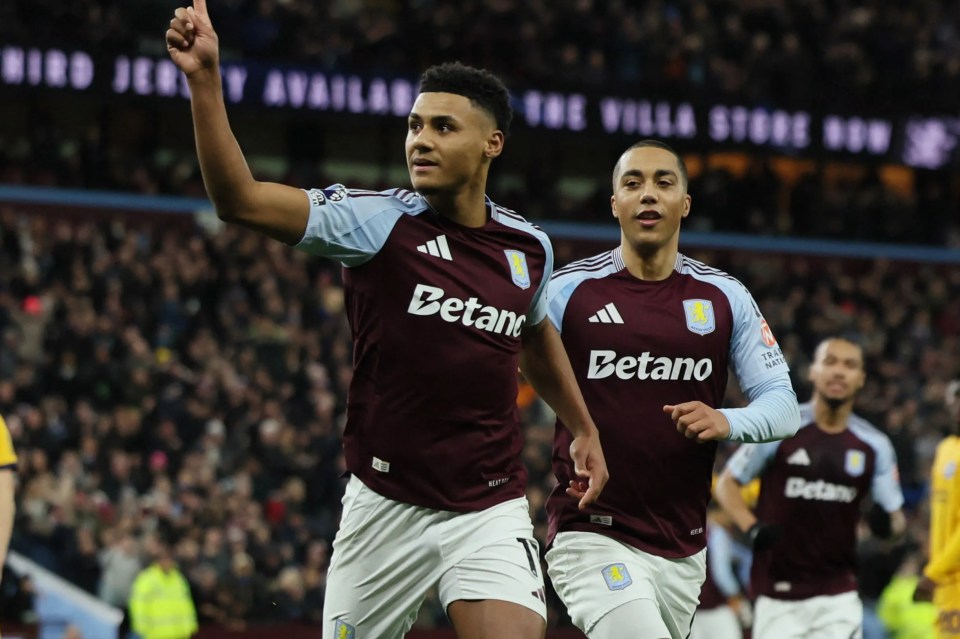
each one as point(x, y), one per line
point(191, 40)
point(696, 420)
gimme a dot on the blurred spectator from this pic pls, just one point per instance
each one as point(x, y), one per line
point(120, 565)
point(903, 617)
point(160, 603)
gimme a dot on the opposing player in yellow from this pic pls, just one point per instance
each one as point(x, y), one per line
point(941, 576)
point(8, 465)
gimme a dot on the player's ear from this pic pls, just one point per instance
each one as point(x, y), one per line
point(687, 201)
point(613, 206)
point(493, 145)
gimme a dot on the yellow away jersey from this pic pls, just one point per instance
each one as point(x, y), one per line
point(8, 457)
point(944, 566)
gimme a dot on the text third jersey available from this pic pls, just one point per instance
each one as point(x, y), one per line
point(812, 485)
point(636, 346)
point(436, 310)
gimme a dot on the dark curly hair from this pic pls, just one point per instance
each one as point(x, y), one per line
point(656, 144)
point(481, 87)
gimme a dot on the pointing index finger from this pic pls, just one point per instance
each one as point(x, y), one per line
point(200, 6)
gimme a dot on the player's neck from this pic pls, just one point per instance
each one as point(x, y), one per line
point(829, 419)
point(652, 266)
point(467, 207)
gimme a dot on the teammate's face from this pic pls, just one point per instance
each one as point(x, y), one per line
point(450, 143)
point(837, 371)
point(649, 198)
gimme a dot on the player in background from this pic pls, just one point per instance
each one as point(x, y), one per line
point(804, 531)
point(941, 576)
point(651, 334)
point(724, 609)
point(445, 294)
point(8, 481)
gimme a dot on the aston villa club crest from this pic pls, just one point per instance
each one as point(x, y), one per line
point(855, 462)
point(700, 318)
point(617, 577)
point(517, 261)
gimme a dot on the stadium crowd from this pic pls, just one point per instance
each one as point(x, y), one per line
point(162, 376)
point(860, 53)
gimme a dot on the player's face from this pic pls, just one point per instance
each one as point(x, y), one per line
point(450, 143)
point(649, 198)
point(837, 371)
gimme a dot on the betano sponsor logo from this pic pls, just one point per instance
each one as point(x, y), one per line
point(605, 364)
point(800, 488)
point(430, 300)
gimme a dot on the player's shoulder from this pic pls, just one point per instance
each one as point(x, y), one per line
point(868, 433)
point(391, 199)
point(516, 222)
point(590, 268)
point(703, 272)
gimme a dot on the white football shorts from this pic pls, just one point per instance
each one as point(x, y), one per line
point(716, 623)
point(824, 617)
point(594, 574)
point(387, 555)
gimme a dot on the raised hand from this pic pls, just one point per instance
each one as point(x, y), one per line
point(191, 40)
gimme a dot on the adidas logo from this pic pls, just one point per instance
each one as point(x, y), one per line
point(607, 315)
point(799, 458)
point(437, 248)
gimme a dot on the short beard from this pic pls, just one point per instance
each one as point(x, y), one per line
point(835, 402)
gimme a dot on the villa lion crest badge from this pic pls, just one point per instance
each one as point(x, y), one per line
point(699, 316)
point(517, 261)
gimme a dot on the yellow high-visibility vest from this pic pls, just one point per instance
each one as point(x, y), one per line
point(161, 606)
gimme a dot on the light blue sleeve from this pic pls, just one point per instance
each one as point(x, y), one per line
point(567, 279)
point(541, 300)
point(754, 351)
point(764, 376)
point(559, 293)
point(720, 556)
point(773, 413)
point(351, 226)
point(886, 479)
point(751, 460)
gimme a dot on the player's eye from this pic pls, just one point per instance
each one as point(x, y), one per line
point(415, 126)
point(664, 183)
point(632, 184)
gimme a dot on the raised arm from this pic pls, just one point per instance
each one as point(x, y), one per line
point(275, 210)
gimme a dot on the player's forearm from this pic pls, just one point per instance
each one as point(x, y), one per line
point(8, 510)
point(720, 560)
point(728, 495)
point(773, 414)
point(226, 175)
point(545, 364)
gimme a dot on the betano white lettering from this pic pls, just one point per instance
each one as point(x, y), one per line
point(429, 300)
point(603, 364)
point(800, 488)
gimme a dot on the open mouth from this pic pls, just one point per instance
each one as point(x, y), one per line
point(649, 217)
